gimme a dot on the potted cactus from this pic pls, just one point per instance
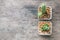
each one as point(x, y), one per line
point(44, 12)
point(45, 28)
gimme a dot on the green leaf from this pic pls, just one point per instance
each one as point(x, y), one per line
point(45, 27)
point(43, 6)
point(39, 13)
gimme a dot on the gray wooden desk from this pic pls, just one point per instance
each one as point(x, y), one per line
point(18, 20)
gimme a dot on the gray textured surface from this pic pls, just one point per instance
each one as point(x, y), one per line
point(18, 20)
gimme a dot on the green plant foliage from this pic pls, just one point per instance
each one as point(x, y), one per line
point(39, 14)
point(43, 8)
point(45, 27)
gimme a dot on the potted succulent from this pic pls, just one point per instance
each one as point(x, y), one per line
point(45, 28)
point(44, 12)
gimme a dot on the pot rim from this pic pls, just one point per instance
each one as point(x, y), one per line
point(50, 27)
point(50, 14)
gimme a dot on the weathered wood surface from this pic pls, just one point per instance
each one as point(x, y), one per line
point(18, 20)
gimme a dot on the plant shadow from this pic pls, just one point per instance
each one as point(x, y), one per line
point(32, 9)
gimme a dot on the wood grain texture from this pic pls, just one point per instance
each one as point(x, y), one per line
point(18, 20)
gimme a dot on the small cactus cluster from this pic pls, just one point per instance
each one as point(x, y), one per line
point(43, 10)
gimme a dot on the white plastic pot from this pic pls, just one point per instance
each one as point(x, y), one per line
point(50, 14)
point(41, 33)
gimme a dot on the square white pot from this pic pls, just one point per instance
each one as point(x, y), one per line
point(41, 33)
point(50, 14)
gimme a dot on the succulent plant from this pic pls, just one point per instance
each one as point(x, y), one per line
point(45, 27)
point(43, 6)
point(43, 10)
point(39, 14)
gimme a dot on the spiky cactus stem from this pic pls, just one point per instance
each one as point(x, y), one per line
point(43, 8)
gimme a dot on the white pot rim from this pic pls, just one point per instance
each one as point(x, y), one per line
point(50, 14)
point(43, 33)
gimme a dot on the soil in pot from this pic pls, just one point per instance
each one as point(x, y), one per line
point(46, 14)
point(44, 27)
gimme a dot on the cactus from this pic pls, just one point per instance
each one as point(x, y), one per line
point(43, 8)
